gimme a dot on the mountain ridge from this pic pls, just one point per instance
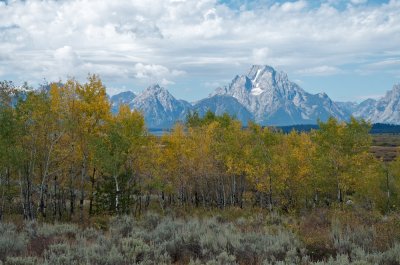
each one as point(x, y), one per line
point(263, 95)
point(275, 100)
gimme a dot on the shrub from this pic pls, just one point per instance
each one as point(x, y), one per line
point(223, 259)
point(59, 254)
point(30, 228)
point(392, 256)
point(11, 243)
point(346, 240)
point(134, 250)
point(154, 240)
point(121, 226)
point(90, 234)
point(110, 257)
point(21, 261)
point(151, 220)
point(48, 230)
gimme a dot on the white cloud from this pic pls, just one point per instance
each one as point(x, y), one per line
point(166, 82)
point(155, 73)
point(388, 63)
point(371, 96)
point(320, 71)
point(293, 6)
point(358, 2)
point(134, 42)
point(148, 71)
point(67, 58)
point(298, 81)
point(213, 84)
point(260, 55)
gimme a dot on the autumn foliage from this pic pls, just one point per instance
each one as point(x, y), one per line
point(64, 155)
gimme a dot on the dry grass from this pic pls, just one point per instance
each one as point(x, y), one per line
point(385, 147)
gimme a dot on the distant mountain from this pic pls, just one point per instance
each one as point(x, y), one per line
point(126, 98)
point(160, 108)
point(220, 104)
point(274, 100)
point(384, 110)
point(348, 107)
point(263, 95)
point(365, 109)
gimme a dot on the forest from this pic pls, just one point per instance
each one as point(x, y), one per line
point(71, 167)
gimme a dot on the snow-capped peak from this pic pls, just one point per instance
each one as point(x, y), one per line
point(383, 110)
point(396, 89)
point(256, 70)
point(262, 94)
point(323, 95)
point(274, 99)
point(155, 89)
point(121, 98)
point(160, 108)
point(256, 88)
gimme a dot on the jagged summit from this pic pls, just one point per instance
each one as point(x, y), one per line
point(256, 72)
point(155, 88)
point(274, 99)
point(384, 110)
point(125, 98)
point(160, 108)
point(259, 67)
point(264, 95)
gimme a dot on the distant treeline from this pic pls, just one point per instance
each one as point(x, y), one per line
point(64, 155)
point(376, 128)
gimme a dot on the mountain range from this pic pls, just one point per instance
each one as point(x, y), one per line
point(263, 95)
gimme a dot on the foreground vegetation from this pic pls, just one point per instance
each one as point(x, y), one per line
point(320, 238)
point(295, 198)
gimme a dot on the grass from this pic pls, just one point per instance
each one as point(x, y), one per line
point(388, 139)
point(385, 146)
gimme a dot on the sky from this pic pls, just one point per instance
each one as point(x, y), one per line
point(349, 49)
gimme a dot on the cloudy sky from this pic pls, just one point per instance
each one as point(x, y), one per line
point(349, 49)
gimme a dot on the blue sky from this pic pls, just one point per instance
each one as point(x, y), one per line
point(349, 49)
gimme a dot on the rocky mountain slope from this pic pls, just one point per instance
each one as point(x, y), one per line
point(383, 110)
point(220, 104)
point(275, 100)
point(263, 95)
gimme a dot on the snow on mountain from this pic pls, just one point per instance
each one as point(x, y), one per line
point(263, 95)
point(220, 104)
point(274, 100)
point(384, 110)
point(122, 98)
point(365, 109)
point(348, 107)
point(160, 108)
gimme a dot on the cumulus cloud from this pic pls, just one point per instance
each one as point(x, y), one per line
point(388, 63)
point(67, 59)
point(319, 71)
point(358, 2)
point(260, 55)
point(292, 6)
point(155, 73)
point(133, 42)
